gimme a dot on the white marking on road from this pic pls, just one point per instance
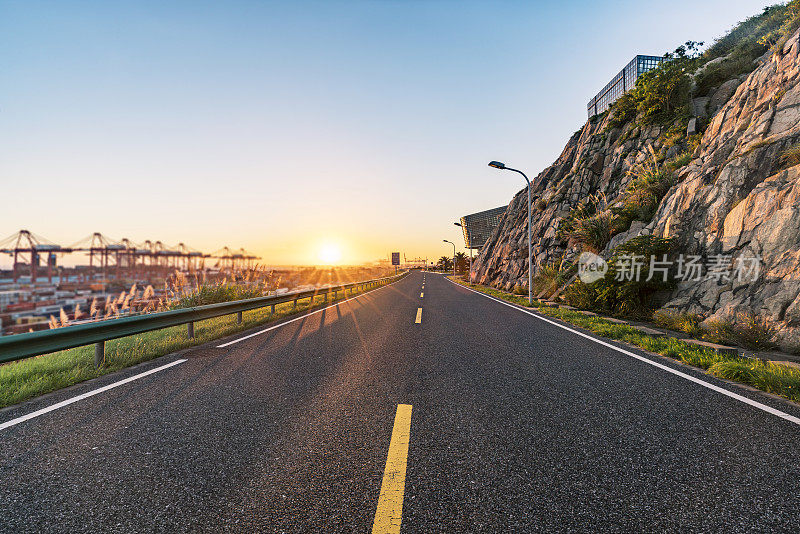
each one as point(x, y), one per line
point(301, 317)
point(67, 402)
point(740, 398)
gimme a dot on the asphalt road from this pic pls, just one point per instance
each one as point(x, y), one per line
point(517, 426)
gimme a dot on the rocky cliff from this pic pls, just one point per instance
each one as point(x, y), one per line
point(735, 193)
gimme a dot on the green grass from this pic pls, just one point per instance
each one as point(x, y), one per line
point(215, 293)
point(681, 160)
point(770, 377)
point(688, 323)
point(25, 379)
point(594, 232)
point(766, 376)
point(791, 156)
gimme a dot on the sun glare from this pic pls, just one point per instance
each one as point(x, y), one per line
point(330, 254)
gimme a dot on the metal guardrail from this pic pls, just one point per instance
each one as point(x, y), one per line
point(21, 346)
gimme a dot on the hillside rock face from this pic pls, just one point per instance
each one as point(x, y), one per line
point(736, 197)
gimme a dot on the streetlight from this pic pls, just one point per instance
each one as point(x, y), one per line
point(502, 166)
point(470, 254)
point(454, 256)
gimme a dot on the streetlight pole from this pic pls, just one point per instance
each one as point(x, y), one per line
point(502, 166)
point(454, 256)
point(470, 251)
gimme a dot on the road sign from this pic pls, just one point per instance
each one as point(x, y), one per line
point(395, 258)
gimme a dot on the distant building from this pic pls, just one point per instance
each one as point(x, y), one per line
point(479, 226)
point(621, 83)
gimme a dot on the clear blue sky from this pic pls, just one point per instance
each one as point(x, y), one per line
point(278, 126)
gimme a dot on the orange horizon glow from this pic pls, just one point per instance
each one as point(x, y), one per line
point(337, 248)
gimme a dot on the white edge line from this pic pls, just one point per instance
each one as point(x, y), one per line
point(302, 316)
point(67, 402)
point(751, 402)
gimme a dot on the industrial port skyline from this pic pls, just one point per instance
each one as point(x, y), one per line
point(109, 278)
point(17, 249)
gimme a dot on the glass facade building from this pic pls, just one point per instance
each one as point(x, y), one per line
point(621, 83)
point(479, 226)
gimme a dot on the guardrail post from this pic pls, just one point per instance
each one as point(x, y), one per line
point(294, 304)
point(239, 318)
point(326, 297)
point(272, 309)
point(99, 353)
point(190, 330)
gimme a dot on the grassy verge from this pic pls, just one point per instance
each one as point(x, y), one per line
point(770, 377)
point(32, 377)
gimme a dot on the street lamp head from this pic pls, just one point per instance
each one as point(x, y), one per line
point(497, 165)
point(457, 224)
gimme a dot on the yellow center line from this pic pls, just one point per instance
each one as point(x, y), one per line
point(389, 514)
point(421, 294)
point(419, 316)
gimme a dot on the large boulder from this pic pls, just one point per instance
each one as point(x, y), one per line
point(722, 95)
point(700, 107)
point(636, 229)
point(692, 127)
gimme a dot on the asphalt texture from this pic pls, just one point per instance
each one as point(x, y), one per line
point(517, 426)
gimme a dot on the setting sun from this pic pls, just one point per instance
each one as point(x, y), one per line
point(330, 253)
